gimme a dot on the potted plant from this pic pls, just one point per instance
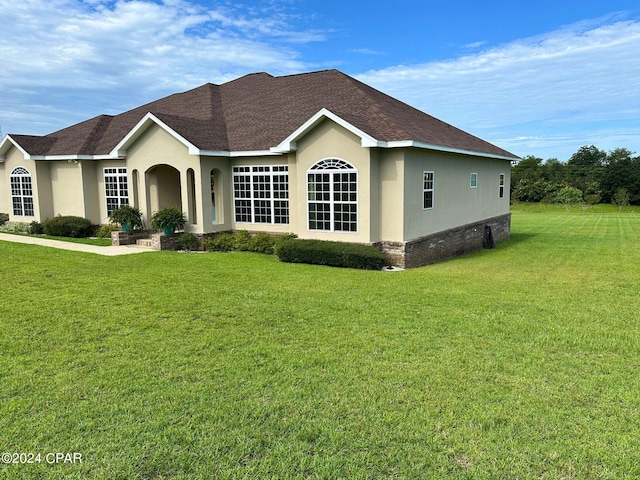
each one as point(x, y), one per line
point(128, 217)
point(169, 219)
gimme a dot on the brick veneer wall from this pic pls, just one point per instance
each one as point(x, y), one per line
point(161, 241)
point(128, 238)
point(446, 244)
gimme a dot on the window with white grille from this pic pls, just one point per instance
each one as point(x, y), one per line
point(332, 196)
point(116, 188)
point(21, 192)
point(261, 194)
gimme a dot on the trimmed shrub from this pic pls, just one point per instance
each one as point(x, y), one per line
point(67, 226)
point(18, 227)
point(223, 242)
point(281, 238)
point(105, 230)
point(4, 218)
point(188, 241)
point(334, 254)
point(262, 242)
point(242, 241)
point(36, 228)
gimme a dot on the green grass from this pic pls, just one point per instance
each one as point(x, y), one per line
point(519, 362)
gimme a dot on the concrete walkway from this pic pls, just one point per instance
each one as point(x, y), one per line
point(76, 247)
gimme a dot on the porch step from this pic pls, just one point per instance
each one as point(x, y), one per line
point(145, 242)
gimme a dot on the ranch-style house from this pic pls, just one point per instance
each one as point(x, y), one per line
point(319, 154)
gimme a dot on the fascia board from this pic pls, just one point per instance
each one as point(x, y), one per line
point(3, 147)
point(120, 150)
point(247, 153)
point(54, 158)
point(441, 148)
point(290, 143)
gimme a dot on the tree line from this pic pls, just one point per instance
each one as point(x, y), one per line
point(591, 176)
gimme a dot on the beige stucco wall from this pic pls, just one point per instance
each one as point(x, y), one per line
point(158, 188)
point(389, 186)
point(329, 140)
point(455, 203)
point(223, 191)
point(14, 158)
point(90, 191)
point(67, 188)
point(391, 208)
point(59, 187)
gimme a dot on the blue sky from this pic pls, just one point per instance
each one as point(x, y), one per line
point(536, 78)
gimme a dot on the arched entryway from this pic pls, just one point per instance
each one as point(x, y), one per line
point(163, 188)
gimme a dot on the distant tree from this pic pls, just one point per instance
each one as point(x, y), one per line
point(621, 198)
point(532, 191)
point(554, 171)
point(529, 168)
point(622, 171)
point(547, 200)
point(569, 196)
point(592, 199)
point(586, 167)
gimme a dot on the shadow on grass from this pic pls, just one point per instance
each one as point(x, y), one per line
point(517, 239)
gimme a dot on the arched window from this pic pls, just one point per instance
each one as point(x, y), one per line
point(332, 196)
point(22, 192)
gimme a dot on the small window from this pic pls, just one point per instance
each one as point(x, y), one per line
point(427, 190)
point(502, 185)
point(473, 182)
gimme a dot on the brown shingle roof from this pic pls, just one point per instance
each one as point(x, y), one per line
point(257, 112)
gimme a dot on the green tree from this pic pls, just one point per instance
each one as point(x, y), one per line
point(621, 198)
point(529, 169)
point(569, 196)
point(554, 171)
point(586, 166)
point(622, 171)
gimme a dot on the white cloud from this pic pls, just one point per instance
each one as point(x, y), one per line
point(55, 47)
point(579, 74)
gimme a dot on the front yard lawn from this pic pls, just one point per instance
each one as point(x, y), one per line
point(520, 362)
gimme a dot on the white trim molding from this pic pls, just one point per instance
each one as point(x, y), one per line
point(290, 143)
point(120, 150)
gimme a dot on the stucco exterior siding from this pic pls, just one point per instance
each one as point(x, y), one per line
point(15, 158)
point(67, 188)
point(391, 197)
point(162, 163)
point(329, 140)
point(455, 201)
point(224, 194)
point(90, 191)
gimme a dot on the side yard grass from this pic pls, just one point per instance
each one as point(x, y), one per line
point(519, 362)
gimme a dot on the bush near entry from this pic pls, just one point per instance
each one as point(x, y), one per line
point(334, 254)
point(68, 226)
